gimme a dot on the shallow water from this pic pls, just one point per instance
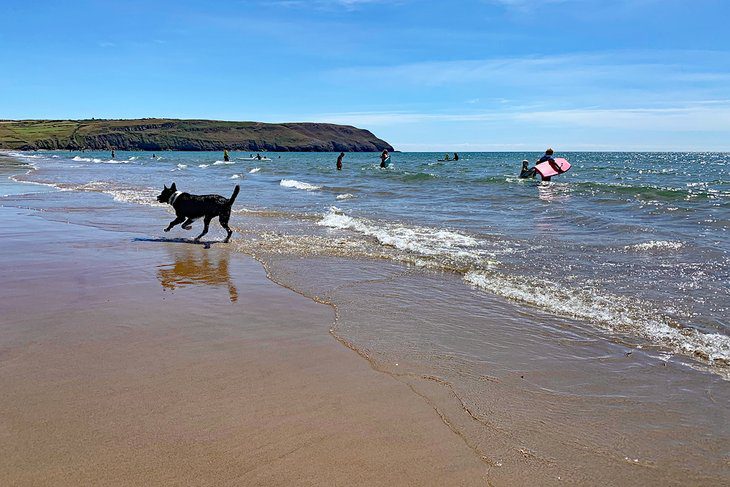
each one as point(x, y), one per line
point(633, 243)
point(597, 302)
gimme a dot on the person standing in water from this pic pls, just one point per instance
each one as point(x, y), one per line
point(548, 157)
point(384, 157)
point(339, 161)
point(114, 154)
point(226, 158)
point(456, 156)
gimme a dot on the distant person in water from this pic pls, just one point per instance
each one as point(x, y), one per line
point(114, 154)
point(339, 161)
point(384, 157)
point(225, 155)
point(258, 156)
point(456, 156)
point(447, 157)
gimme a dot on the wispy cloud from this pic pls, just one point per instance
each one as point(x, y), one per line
point(325, 4)
point(568, 69)
point(707, 115)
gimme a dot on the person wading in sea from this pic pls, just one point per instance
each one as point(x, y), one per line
point(384, 157)
point(225, 155)
point(339, 161)
point(548, 156)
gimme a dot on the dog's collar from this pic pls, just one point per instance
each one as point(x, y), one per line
point(173, 197)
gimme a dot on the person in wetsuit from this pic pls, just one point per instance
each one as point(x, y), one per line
point(339, 161)
point(548, 156)
point(527, 173)
point(383, 158)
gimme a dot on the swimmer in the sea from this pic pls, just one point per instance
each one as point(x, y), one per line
point(527, 173)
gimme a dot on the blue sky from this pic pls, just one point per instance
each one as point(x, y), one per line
point(424, 75)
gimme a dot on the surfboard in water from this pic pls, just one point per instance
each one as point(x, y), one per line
point(546, 169)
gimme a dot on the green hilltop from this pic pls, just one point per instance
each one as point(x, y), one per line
point(187, 135)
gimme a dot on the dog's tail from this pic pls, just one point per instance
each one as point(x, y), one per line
point(233, 196)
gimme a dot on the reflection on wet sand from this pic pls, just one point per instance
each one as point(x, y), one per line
point(196, 266)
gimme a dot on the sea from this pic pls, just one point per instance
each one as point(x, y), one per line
point(600, 297)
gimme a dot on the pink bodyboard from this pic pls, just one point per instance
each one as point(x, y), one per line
point(546, 169)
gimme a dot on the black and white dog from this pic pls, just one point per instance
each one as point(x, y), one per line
point(190, 207)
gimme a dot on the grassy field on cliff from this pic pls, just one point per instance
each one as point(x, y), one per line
point(172, 134)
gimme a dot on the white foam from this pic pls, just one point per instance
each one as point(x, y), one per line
point(24, 155)
point(96, 160)
point(236, 176)
point(145, 196)
point(182, 166)
point(345, 196)
point(292, 183)
point(203, 166)
point(421, 240)
point(85, 159)
point(255, 169)
point(50, 185)
point(218, 163)
point(656, 244)
point(611, 313)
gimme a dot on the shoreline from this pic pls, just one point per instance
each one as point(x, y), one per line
point(498, 438)
point(122, 394)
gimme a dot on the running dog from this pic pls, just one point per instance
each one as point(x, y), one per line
point(189, 207)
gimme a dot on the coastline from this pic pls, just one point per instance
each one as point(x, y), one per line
point(524, 437)
point(163, 363)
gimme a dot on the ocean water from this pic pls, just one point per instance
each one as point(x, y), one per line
point(595, 306)
point(633, 243)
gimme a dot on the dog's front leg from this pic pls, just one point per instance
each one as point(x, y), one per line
point(188, 223)
point(176, 221)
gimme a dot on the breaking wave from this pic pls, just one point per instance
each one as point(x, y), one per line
point(292, 183)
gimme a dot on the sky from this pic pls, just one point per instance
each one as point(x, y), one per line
point(470, 75)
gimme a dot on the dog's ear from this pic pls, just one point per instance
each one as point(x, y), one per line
point(165, 186)
point(173, 187)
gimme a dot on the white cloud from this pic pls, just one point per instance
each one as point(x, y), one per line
point(625, 67)
point(707, 115)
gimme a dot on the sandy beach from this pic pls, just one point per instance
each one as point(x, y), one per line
point(139, 363)
point(134, 357)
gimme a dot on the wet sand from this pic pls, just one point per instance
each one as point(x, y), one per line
point(128, 362)
point(130, 356)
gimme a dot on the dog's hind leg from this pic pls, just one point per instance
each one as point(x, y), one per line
point(223, 220)
point(206, 222)
point(176, 221)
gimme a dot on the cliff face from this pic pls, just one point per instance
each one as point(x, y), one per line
point(189, 135)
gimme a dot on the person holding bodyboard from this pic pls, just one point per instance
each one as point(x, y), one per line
point(548, 166)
